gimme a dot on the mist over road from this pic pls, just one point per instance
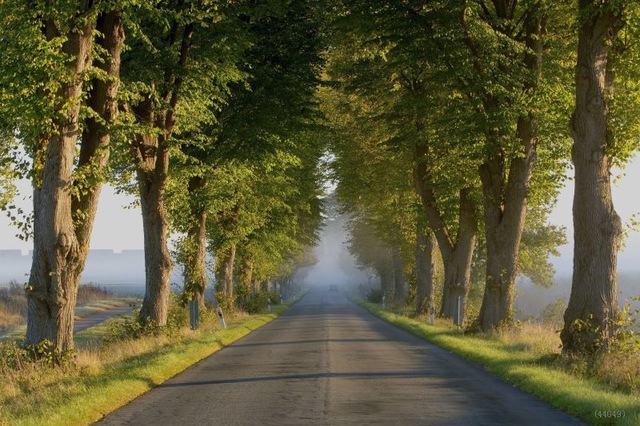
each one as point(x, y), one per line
point(328, 362)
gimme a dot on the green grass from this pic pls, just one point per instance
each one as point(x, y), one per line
point(531, 369)
point(100, 387)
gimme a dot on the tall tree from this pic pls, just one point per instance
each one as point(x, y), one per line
point(504, 43)
point(66, 185)
point(390, 57)
point(277, 97)
point(592, 310)
point(181, 59)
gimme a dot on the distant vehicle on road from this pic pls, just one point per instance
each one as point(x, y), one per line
point(333, 287)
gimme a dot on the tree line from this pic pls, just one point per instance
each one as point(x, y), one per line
point(455, 124)
point(204, 109)
point(452, 125)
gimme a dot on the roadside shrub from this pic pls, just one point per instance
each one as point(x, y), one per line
point(134, 328)
point(374, 295)
point(16, 357)
point(131, 328)
point(258, 302)
point(614, 362)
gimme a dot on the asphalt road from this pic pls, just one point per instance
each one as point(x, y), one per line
point(328, 362)
point(95, 319)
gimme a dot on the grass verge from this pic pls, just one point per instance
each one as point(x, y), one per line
point(108, 377)
point(530, 364)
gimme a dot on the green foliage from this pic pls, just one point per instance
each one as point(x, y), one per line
point(133, 327)
point(16, 357)
point(374, 296)
point(538, 242)
point(553, 313)
point(259, 301)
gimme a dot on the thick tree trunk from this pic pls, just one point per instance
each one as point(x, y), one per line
point(425, 269)
point(401, 291)
point(597, 228)
point(151, 154)
point(157, 259)
point(456, 255)
point(505, 182)
point(246, 273)
point(457, 263)
point(505, 211)
point(63, 222)
point(195, 273)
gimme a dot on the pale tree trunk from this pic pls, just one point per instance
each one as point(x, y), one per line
point(456, 254)
point(195, 272)
point(152, 170)
point(597, 227)
point(60, 245)
point(426, 269)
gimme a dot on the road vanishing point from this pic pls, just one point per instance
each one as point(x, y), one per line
point(326, 361)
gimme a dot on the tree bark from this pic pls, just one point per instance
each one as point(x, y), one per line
point(505, 182)
point(425, 268)
point(224, 272)
point(64, 207)
point(505, 206)
point(456, 255)
point(151, 153)
point(157, 259)
point(597, 228)
point(195, 274)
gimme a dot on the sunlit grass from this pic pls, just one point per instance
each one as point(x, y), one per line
point(529, 357)
point(105, 377)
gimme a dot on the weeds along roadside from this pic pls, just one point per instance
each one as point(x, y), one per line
point(111, 366)
point(602, 390)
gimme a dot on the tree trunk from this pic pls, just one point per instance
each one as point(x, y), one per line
point(505, 184)
point(401, 291)
point(224, 271)
point(63, 222)
point(505, 210)
point(195, 273)
point(151, 153)
point(597, 228)
point(245, 280)
point(425, 269)
point(456, 255)
point(157, 259)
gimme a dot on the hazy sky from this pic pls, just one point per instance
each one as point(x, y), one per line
point(118, 227)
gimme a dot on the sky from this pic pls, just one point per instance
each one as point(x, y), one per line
point(119, 227)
